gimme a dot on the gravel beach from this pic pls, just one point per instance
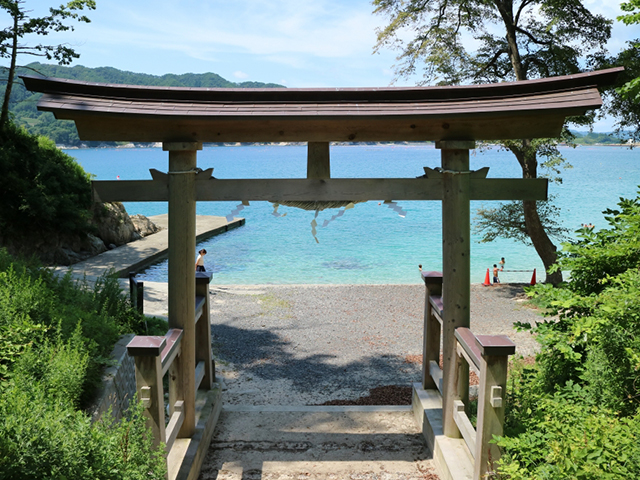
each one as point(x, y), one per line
point(309, 344)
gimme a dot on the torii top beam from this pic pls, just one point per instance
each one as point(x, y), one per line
point(527, 109)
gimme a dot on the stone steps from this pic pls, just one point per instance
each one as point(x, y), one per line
point(364, 443)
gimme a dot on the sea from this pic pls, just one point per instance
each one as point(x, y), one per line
point(373, 242)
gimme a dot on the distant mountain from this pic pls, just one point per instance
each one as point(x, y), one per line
point(63, 132)
point(593, 138)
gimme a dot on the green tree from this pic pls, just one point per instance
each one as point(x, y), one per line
point(485, 41)
point(24, 25)
point(623, 99)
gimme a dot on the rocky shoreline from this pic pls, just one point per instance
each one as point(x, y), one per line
point(111, 227)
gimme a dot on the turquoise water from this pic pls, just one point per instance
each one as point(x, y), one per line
point(369, 244)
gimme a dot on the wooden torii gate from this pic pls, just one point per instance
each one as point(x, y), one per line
point(454, 117)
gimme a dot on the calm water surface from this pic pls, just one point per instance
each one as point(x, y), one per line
point(369, 244)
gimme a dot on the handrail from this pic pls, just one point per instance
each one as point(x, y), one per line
point(436, 302)
point(200, 301)
point(467, 340)
point(171, 349)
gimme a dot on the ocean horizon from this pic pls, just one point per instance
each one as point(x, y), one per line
point(370, 243)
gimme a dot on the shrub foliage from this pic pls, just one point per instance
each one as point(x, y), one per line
point(42, 190)
point(55, 337)
point(576, 413)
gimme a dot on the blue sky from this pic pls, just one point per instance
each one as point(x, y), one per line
point(297, 43)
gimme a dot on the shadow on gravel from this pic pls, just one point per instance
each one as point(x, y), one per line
point(508, 290)
point(267, 355)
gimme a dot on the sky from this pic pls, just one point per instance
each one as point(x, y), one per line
point(296, 43)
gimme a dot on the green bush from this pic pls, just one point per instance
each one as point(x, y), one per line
point(576, 413)
point(35, 307)
point(55, 335)
point(44, 436)
point(563, 437)
point(42, 190)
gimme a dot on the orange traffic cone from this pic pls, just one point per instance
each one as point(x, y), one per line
point(487, 279)
point(533, 278)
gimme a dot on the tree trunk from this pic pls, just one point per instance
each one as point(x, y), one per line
point(527, 156)
point(4, 116)
point(541, 242)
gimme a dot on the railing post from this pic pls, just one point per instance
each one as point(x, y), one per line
point(146, 351)
point(431, 334)
point(203, 331)
point(495, 351)
point(136, 293)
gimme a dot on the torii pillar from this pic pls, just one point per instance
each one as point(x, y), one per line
point(182, 282)
point(456, 282)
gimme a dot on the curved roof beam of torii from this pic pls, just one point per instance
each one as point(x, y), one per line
point(529, 109)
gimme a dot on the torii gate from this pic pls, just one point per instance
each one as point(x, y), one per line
point(454, 117)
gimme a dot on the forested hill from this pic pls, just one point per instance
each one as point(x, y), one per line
point(63, 132)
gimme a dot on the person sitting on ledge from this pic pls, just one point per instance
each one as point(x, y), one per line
point(200, 261)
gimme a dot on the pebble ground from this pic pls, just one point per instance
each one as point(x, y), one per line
point(308, 344)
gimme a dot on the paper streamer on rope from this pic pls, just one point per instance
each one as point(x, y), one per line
point(395, 207)
point(237, 210)
point(337, 215)
point(275, 212)
point(314, 224)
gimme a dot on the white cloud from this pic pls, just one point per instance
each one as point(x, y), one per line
point(240, 75)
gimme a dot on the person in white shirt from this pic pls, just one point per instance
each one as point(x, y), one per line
point(200, 261)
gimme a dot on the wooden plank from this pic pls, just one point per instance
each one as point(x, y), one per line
point(318, 160)
point(436, 374)
point(464, 425)
point(493, 372)
point(175, 423)
point(203, 331)
point(436, 302)
point(461, 351)
point(495, 345)
point(467, 340)
point(171, 349)
point(432, 328)
point(146, 345)
point(508, 125)
point(334, 189)
point(200, 302)
point(200, 370)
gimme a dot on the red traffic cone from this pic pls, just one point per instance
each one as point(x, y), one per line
point(487, 279)
point(533, 277)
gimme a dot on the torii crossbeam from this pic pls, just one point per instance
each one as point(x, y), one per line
point(454, 117)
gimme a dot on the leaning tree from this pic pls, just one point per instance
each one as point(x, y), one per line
point(24, 25)
point(485, 41)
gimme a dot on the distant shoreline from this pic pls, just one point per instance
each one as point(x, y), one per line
point(296, 144)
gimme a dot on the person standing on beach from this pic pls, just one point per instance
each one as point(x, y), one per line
point(200, 261)
point(495, 274)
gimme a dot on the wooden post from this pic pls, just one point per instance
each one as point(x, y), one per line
point(136, 293)
point(495, 351)
point(203, 331)
point(431, 335)
point(146, 352)
point(456, 287)
point(182, 285)
point(318, 161)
